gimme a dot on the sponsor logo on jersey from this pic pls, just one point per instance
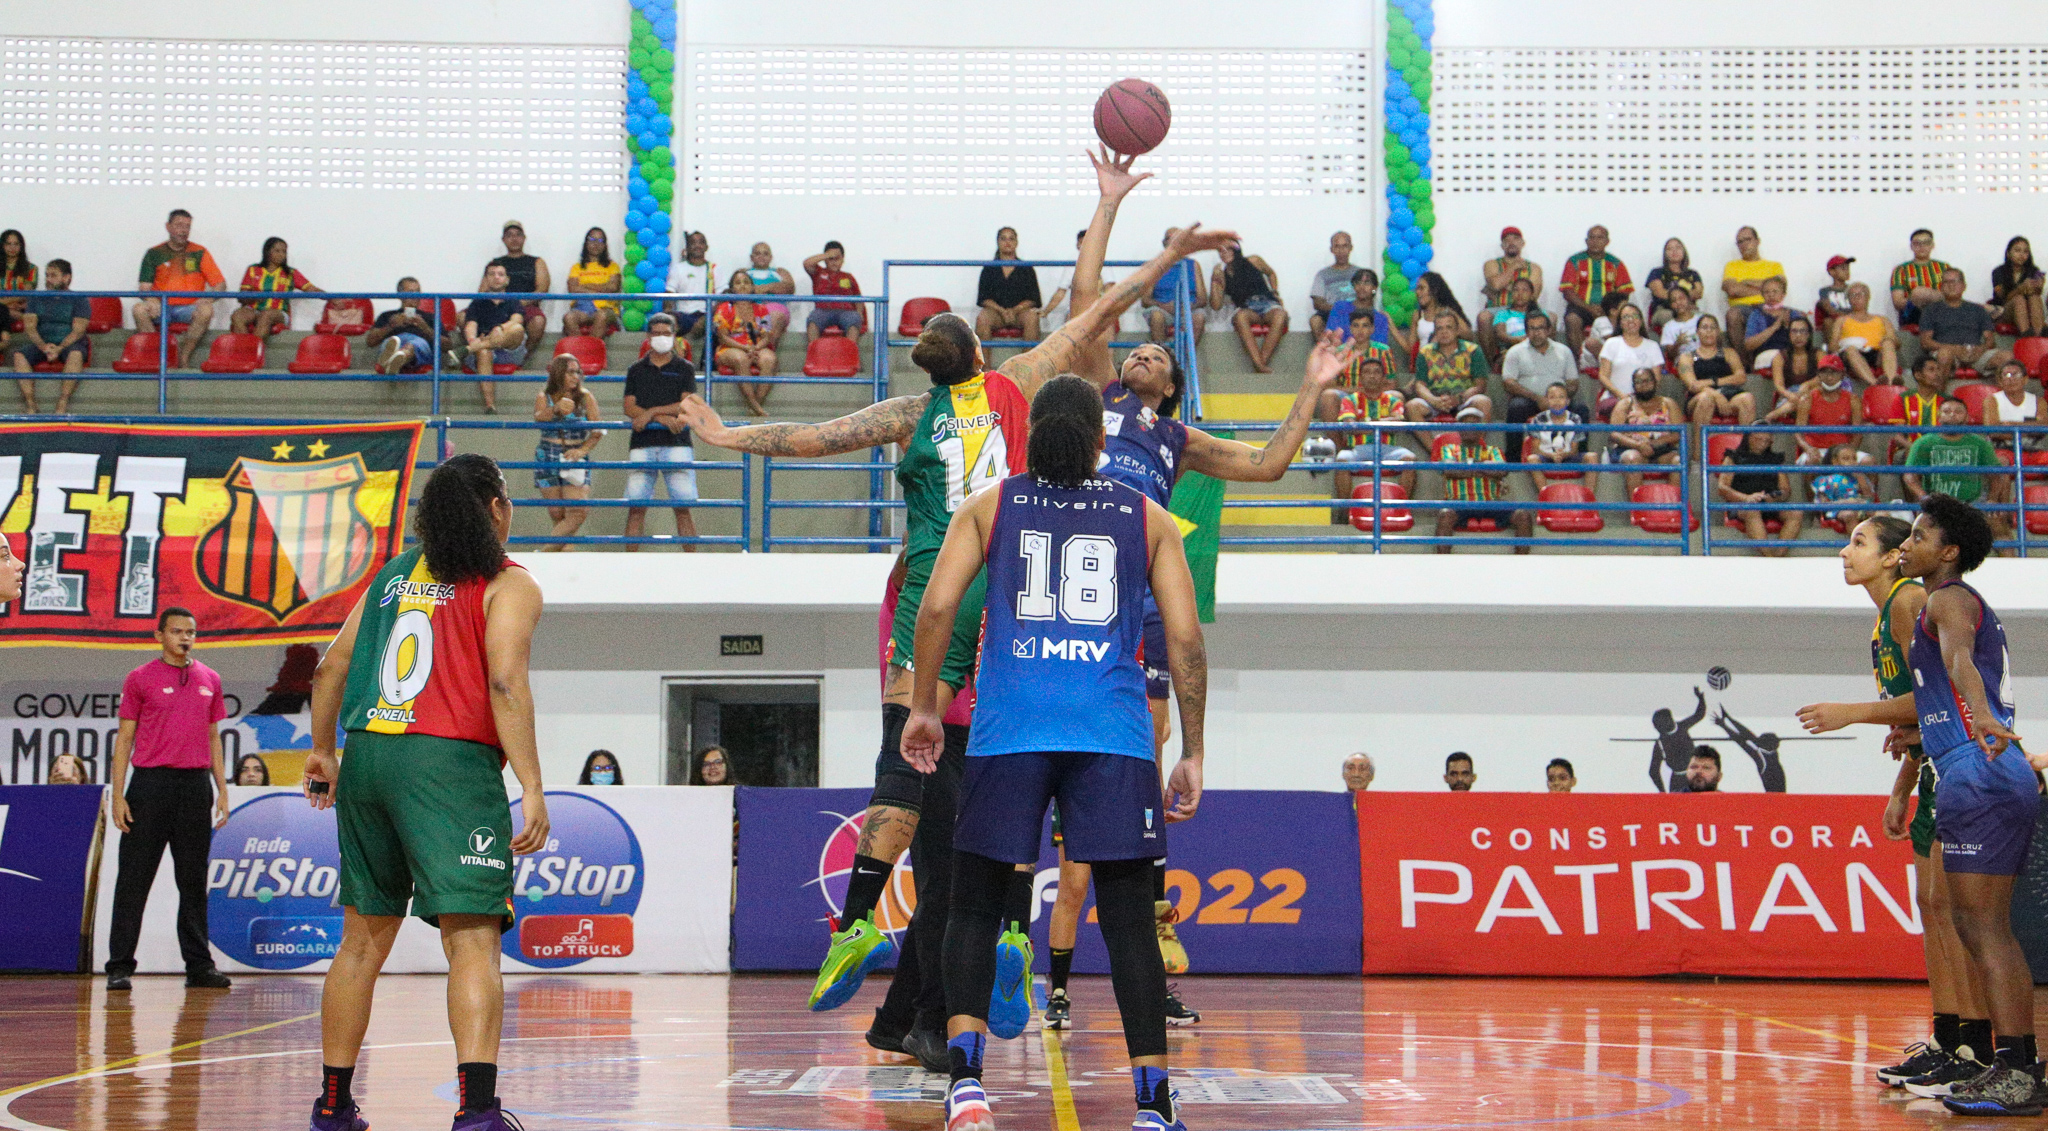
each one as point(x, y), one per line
point(404, 588)
point(590, 871)
point(980, 422)
point(273, 885)
point(391, 714)
point(1025, 649)
point(481, 841)
point(1112, 422)
point(1092, 650)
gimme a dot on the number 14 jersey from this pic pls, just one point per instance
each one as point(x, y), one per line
point(419, 664)
point(971, 436)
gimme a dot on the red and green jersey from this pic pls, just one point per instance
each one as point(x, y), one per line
point(1913, 274)
point(419, 665)
point(192, 269)
point(1471, 488)
point(1593, 278)
point(972, 435)
point(261, 278)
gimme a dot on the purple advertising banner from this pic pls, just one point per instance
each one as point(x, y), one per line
point(1265, 881)
point(47, 838)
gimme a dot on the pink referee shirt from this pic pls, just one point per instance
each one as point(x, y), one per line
point(174, 710)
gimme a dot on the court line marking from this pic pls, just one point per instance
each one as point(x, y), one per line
point(102, 1069)
point(1064, 1117)
point(1698, 1003)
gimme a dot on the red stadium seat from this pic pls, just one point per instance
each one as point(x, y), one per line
point(832, 357)
point(1975, 397)
point(106, 315)
point(320, 353)
point(1658, 522)
point(350, 329)
point(1572, 521)
point(2030, 352)
point(589, 352)
point(918, 311)
point(1733, 521)
point(2031, 459)
point(1397, 519)
point(139, 354)
point(234, 353)
point(1964, 373)
point(1884, 404)
point(451, 318)
point(832, 332)
point(58, 365)
point(2037, 510)
point(1480, 525)
point(1008, 332)
point(2006, 328)
point(1719, 445)
point(1529, 456)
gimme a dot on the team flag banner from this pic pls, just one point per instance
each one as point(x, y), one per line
point(268, 534)
point(1197, 504)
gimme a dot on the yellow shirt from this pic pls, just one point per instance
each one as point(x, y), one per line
point(597, 277)
point(1872, 328)
point(1748, 271)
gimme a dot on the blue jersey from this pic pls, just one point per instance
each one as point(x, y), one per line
point(1945, 722)
point(1067, 580)
point(1141, 449)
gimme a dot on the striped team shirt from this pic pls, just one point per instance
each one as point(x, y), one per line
point(1475, 488)
point(1593, 279)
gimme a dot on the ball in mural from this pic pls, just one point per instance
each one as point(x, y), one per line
point(1719, 678)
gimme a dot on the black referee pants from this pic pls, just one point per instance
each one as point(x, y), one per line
point(174, 808)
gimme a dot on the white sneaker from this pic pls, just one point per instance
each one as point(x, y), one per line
point(387, 353)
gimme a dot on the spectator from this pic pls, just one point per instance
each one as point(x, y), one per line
point(251, 769)
point(1595, 338)
point(1628, 352)
point(827, 270)
point(67, 769)
point(1331, 286)
point(1558, 776)
point(2016, 289)
point(1589, 277)
point(403, 337)
point(769, 279)
point(275, 275)
point(1833, 301)
point(524, 274)
point(1917, 281)
point(694, 274)
point(1959, 333)
point(1703, 772)
point(1008, 296)
point(1765, 327)
point(1250, 285)
point(1716, 385)
point(1433, 300)
point(1922, 406)
point(1758, 487)
point(493, 334)
point(1952, 449)
point(1793, 366)
point(1533, 366)
point(593, 274)
point(739, 327)
point(1864, 339)
point(2013, 404)
point(1681, 333)
point(1368, 396)
point(1365, 293)
point(1502, 271)
point(1843, 483)
point(17, 273)
point(1055, 307)
point(1742, 280)
point(655, 388)
point(1158, 305)
point(1479, 484)
point(1509, 325)
point(52, 329)
point(568, 406)
point(178, 264)
point(711, 767)
point(1643, 406)
point(1826, 401)
point(1671, 278)
point(1458, 772)
point(1558, 441)
point(1358, 772)
point(1450, 376)
point(600, 767)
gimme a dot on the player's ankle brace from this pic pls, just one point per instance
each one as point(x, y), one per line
point(963, 1055)
point(1154, 1094)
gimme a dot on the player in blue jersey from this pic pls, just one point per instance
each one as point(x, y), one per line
point(1060, 715)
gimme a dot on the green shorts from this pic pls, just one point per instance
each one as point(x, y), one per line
point(1922, 829)
point(961, 653)
point(423, 820)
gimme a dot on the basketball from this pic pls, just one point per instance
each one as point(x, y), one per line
point(1132, 117)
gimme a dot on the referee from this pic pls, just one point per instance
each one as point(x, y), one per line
point(170, 708)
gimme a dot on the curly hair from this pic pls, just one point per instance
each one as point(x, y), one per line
point(946, 349)
point(1962, 526)
point(454, 519)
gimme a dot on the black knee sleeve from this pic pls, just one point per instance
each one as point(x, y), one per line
point(1123, 901)
point(972, 924)
point(897, 782)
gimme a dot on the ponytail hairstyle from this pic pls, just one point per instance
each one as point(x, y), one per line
point(946, 350)
point(454, 519)
point(1891, 532)
point(1066, 431)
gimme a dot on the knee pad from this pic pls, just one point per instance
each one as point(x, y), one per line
point(898, 785)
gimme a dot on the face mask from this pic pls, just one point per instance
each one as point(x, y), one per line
point(602, 776)
point(1831, 386)
point(661, 343)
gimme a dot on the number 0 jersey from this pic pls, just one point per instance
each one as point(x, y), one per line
point(1945, 722)
point(971, 436)
point(1067, 579)
point(419, 665)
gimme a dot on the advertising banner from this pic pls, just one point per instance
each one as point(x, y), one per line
point(47, 839)
point(622, 886)
point(1757, 885)
point(1263, 880)
point(268, 534)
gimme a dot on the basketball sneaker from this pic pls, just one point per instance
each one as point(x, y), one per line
point(855, 953)
point(1177, 1012)
point(1921, 1058)
point(967, 1107)
point(1009, 1002)
point(1997, 1090)
point(1937, 1082)
point(347, 1118)
point(1149, 1120)
point(1170, 951)
point(1058, 1010)
point(492, 1118)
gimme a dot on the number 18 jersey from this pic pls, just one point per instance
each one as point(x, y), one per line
point(1067, 579)
point(419, 664)
point(971, 435)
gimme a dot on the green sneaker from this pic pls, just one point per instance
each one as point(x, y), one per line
point(1009, 1007)
point(856, 951)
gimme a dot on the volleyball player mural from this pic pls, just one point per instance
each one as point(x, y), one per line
point(1678, 764)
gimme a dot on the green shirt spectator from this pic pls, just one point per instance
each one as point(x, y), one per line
point(1943, 449)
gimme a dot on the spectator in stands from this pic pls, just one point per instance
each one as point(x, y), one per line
point(1589, 276)
point(524, 274)
point(17, 273)
point(566, 406)
point(1509, 325)
point(711, 767)
point(1595, 338)
point(1627, 353)
point(493, 334)
point(251, 769)
point(1365, 293)
point(403, 337)
point(827, 270)
point(274, 274)
point(1252, 287)
point(1482, 480)
point(1367, 396)
point(1433, 301)
point(1671, 278)
point(1864, 339)
point(655, 388)
point(1331, 286)
point(1917, 281)
point(694, 274)
point(1502, 271)
point(769, 279)
point(1450, 376)
point(1922, 406)
point(1458, 772)
point(52, 329)
point(1765, 327)
point(1642, 407)
point(69, 769)
point(1736, 486)
point(1959, 333)
point(1681, 333)
point(1833, 300)
point(1558, 441)
point(1055, 312)
point(1844, 483)
point(1358, 772)
point(1827, 400)
point(601, 767)
point(1742, 281)
point(1793, 366)
point(1533, 366)
point(2013, 404)
point(593, 274)
point(2016, 289)
point(740, 328)
point(178, 264)
point(1703, 772)
point(1952, 449)
point(1158, 305)
point(1008, 295)
point(1558, 776)
point(1715, 384)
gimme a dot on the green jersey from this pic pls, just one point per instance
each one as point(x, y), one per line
point(1887, 658)
point(972, 435)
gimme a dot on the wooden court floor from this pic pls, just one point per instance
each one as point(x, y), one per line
point(708, 1053)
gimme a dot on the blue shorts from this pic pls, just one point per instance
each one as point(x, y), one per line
point(847, 320)
point(1158, 679)
point(181, 314)
point(1259, 304)
point(1985, 810)
point(680, 481)
point(1110, 807)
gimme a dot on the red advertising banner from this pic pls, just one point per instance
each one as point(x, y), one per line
point(268, 534)
point(1629, 885)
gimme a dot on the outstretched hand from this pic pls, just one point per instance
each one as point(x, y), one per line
point(1325, 361)
point(1193, 238)
point(1113, 174)
point(699, 415)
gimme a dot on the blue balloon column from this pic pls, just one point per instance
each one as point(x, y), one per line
point(650, 184)
point(1411, 217)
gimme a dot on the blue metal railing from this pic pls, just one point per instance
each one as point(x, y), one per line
point(874, 541)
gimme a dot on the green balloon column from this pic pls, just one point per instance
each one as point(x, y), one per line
point(650, 183)
point(1411, 216)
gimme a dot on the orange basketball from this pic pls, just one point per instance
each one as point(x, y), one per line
point(1132, 117)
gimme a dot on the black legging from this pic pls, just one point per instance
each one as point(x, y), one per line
point(919, 987)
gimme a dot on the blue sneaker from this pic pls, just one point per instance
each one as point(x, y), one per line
point(1149, 1120)
point(1009, 1003)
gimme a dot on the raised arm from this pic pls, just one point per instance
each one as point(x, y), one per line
point(1173, 588)
point(884, 422)
point(1240, 462)
point(1114, 178)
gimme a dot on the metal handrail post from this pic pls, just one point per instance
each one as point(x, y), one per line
point(438, 350)
point(1377, 525)
point(2019, 491)
point(1684, 494)
point(1706, 494)
point(767, 504)
point(163, 356)
point(877, 486)
point(746, 502)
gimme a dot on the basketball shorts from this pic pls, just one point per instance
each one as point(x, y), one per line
point(446, 849)
point(1921, 831)
point(1158, 677)
point(1984, 810)
point(961, 654)
point(1109, 806)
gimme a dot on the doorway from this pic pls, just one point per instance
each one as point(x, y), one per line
point(767, 726)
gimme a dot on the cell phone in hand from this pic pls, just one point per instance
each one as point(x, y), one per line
point(316, 787)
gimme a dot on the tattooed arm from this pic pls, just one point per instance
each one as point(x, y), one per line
point(1242, 463)
point(1114, 178)
point(1174, 589)
point(884, 422)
